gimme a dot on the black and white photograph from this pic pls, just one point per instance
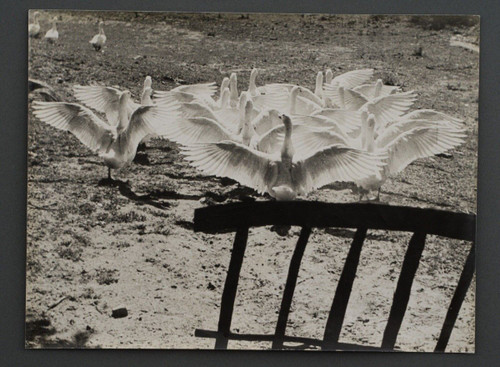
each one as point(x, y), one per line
point(251, 181)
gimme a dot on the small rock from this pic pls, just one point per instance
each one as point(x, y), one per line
point(210, 286)
point(119, 312)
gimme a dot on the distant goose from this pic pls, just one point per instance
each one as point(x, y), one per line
point(34, 28)
point(117, 145)
point(52, 34)
point(280, 174)
point(99, 39)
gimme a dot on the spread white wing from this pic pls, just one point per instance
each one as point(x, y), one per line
point(368, 90)
point(334, 163)
point(79, 120)
point(390, 108)
point(147, 120)
point(353, 78)
point(236, 161)
point(424, 140)
point(196, 130)
point(431, 115)
point(305, 140)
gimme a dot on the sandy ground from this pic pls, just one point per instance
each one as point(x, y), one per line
point(97, 247)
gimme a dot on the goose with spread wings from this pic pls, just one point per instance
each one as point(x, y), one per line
point(282, 175)
point(116, 144)
point(403, 142)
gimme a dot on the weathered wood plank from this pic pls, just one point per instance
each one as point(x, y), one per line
point(457, 300)
point(291, 281)
point(403, 290)
point(229, 217)
point(230, 287)
point(343, 292)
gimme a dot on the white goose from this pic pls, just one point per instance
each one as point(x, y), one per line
point(405, 142)
point(52, 34)
point(402, 143)
point(117, 145)
point(282, 175)
point(34, 28)
point(99, 39)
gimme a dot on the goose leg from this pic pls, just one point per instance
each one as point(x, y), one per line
point(378, 194)
point(109, 174)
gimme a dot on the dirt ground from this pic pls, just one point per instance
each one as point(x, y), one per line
point(95, 247)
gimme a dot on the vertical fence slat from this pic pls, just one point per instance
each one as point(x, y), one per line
point(343, 292)
point(457, 300)
point(403, 289)
point(230, 288)
point(291, 281)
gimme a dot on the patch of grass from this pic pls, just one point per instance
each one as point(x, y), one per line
point(106, 276)
point(439, 22)
point(69, 250)
point(129, 217)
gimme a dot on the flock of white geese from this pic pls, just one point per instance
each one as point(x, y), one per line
point(281, 139)
point(52, 35)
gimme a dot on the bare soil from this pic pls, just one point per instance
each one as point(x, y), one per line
point(91, 248)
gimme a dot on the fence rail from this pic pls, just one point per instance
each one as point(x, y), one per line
point(239, 217)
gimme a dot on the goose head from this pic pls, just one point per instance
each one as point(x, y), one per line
point(328, 76)
point(293, 98)
point(233, 81)
point(251, 85)
point(101, 27)
point(319, 84)
point(148, 82)
point(224, 84)
point(233, 88)
point(36, 15)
